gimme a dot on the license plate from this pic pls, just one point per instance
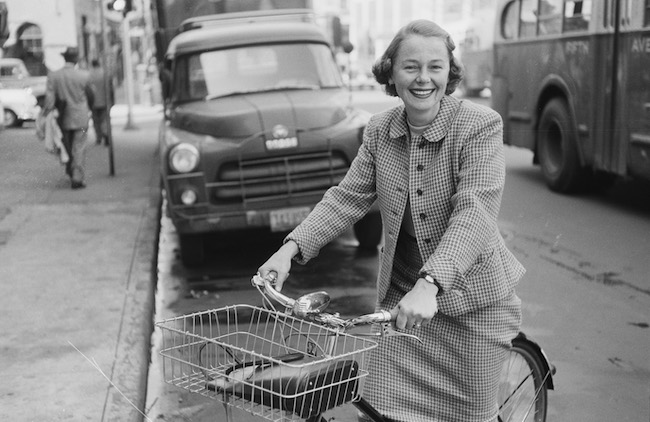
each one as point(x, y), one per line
point(287, 218)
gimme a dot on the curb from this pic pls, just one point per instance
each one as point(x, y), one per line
point(125, 401)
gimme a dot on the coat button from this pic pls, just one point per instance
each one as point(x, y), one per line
point(423, 216)
point(427, 240)
point(420, 167)
point(419, 192)
point(422, 144)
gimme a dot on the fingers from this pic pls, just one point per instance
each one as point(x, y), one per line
point(404, 321)
point(275, 278)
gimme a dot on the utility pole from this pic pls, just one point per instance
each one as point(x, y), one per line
point(107, 89)
point(128, 70)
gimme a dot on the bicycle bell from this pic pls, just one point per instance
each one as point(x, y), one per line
point(311, 304)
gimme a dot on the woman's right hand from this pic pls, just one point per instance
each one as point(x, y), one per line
point(280, 263)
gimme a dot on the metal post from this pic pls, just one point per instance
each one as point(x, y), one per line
point(107, 89)
point(128, 71)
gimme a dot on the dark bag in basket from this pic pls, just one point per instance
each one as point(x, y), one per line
point(306, 390)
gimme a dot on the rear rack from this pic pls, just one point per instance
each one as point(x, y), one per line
point(276, 15)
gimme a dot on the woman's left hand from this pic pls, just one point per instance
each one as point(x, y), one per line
point(417, 307)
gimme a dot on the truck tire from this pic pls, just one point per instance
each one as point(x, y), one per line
point(557, 149)
point(368, 231)
point(192, 249)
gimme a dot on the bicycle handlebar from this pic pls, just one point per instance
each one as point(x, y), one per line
point(310, 306)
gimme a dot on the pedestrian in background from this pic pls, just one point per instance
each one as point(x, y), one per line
point(104, 100)
point(69, 91)
point(435, 166)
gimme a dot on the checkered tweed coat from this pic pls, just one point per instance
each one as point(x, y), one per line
point(454, 175)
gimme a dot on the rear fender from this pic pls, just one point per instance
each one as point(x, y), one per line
point(547, 366)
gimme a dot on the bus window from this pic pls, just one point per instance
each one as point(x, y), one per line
point(577, 15)
point(528, 19)
point(550, 17)
point(510, 21)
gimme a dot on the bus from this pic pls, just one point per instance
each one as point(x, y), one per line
point(571, 80)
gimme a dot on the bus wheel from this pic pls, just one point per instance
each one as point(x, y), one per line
point(557, 149)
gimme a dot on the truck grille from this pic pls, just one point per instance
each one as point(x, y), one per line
point(277, 177)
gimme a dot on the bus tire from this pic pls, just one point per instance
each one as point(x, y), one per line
point(557, 149)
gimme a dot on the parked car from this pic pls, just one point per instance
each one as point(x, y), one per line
point(19, 105)
point(2, 116)
point(258, 125)
point(14, 74)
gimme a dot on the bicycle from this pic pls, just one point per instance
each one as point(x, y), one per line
point(298, 363)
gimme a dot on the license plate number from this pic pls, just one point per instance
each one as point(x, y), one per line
point(287, 218)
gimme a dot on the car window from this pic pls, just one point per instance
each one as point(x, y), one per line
point(217, 73)
point(8, 71)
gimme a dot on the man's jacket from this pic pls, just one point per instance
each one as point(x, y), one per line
point(69, 90)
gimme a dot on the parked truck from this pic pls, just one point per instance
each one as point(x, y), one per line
point(258, 122)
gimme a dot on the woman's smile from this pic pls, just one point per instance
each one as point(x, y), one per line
point(421, 93)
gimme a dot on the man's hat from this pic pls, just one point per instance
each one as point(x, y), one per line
point(71, 54)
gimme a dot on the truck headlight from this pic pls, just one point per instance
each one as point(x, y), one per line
point(183, 158)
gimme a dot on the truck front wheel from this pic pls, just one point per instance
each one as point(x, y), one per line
point(368, 231)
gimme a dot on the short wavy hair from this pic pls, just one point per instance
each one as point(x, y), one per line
point(383, 67)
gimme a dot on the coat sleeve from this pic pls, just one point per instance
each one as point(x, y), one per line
point(475, 203)
point(342, 205)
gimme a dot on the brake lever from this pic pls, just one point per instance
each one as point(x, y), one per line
point(387, 330)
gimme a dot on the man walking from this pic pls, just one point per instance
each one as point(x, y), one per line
point(69, 91)
point(103, 102)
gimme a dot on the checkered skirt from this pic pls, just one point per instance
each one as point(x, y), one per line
point(454, 375)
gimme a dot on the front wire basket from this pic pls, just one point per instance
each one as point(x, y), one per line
point(264, 362)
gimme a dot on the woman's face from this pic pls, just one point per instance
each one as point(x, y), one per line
point(420, 73)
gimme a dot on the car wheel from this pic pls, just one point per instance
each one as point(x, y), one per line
point(192, 248)
point(368, 231)
point(557, 149)
point(11, 119)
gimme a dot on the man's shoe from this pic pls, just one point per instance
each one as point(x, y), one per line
point(78, 185)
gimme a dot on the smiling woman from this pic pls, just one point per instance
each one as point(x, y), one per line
point(435, 167)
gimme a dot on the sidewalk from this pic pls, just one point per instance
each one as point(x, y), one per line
point(78, 272)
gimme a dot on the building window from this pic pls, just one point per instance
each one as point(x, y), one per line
point(646, 18)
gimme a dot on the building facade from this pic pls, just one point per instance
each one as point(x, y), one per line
point(40, 30)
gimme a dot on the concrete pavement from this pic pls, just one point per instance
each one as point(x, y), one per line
point(77, 273)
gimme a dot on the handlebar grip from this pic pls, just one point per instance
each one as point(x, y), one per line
point(377, 317)
point(267, 284)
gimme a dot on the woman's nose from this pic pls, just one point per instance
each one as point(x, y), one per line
point(422, 78)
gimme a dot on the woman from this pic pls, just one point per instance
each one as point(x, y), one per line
point(436, 167)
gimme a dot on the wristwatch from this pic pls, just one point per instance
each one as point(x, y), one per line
point(430, 279)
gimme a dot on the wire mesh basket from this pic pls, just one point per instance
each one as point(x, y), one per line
point(264, 362)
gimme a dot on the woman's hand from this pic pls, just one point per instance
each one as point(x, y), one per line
point(417, 307)
point(280, 263)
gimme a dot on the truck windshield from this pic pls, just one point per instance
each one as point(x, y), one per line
point(260, 68)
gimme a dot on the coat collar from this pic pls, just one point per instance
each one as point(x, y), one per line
point(437, 130)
